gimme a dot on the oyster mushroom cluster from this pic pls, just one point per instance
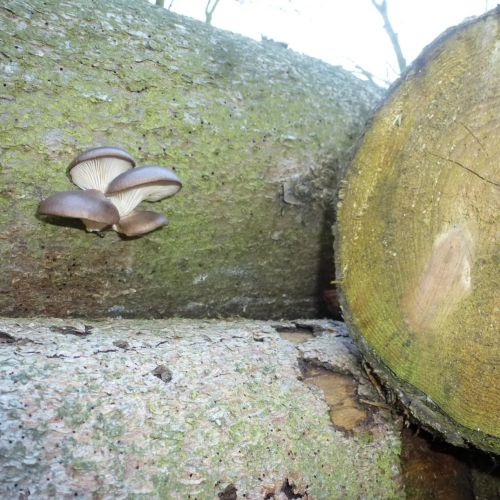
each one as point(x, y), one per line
point(112, 188)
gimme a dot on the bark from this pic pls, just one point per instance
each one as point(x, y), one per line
point(182, 409)
point(418, 241)
point(255, 132)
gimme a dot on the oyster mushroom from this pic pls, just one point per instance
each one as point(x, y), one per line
point(91, 206)
point(140, 222)
point(95, 168)
point(149, 182)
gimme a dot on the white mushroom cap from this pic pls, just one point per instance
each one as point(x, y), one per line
point(149, 182)
point(91, 206)
point(140, 222)
point(95, 168)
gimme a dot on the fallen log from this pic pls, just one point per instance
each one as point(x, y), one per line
point(255, 132)
point(418, 240)
point(189, 409)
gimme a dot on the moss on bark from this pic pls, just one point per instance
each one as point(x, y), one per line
point(255, 132)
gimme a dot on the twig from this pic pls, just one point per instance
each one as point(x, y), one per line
point(209, 10)
point(382, 9)
point(373, 380)
point(375, 403)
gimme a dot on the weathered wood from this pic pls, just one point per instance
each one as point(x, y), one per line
point(179, 409)
point(255, 132)
point(418, 239)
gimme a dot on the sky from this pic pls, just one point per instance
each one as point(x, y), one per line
point(341, 32)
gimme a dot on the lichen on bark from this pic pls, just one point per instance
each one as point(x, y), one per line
point(85, 412)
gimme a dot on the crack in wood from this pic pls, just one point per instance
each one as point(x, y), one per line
point(475, 137)
point(458, 164)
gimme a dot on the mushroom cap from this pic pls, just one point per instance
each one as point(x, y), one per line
point(102, 152)
point(149, 182)
point(90, 205)
point(156, 182)
point(96, 167)
point(140, 222)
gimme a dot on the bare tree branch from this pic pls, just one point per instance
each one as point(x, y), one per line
point(382, 9)
point(170, 4)
point(370, 76)
point(209, 10)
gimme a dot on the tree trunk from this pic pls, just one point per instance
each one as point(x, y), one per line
point(255, 132)
point(417, 236)
point(131, 408)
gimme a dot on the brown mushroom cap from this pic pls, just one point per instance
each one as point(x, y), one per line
point(102, 152)
point(157, 182)
point(95, 210)
point(149, 182)
point(140, 222)
point(95, 168)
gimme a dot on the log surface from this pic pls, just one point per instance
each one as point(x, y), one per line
point(255, 132)
point(418, 240)
point(180, 409)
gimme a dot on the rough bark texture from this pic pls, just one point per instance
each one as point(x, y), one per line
point(181, 409)
point(256, 132)
point(418, 240)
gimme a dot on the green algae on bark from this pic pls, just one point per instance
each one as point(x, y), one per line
point(83, 413)
point(255, 132)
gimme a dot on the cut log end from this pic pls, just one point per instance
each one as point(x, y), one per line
point(417, 236)
point(444, 282)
